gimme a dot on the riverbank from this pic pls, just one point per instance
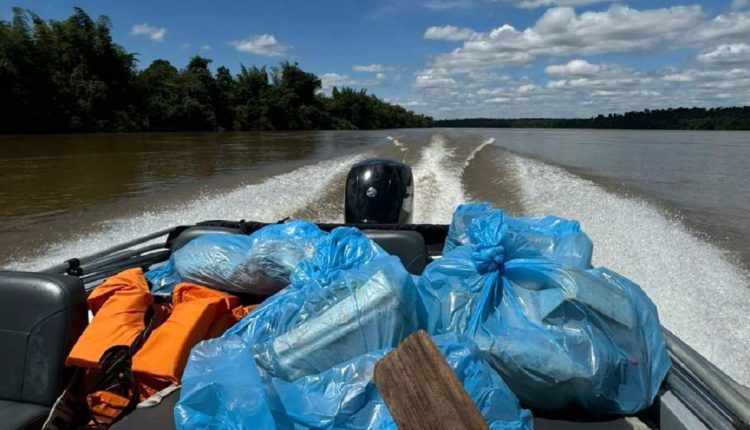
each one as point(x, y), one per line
point(724, 118)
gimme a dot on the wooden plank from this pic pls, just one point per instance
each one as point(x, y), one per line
point(422, 391)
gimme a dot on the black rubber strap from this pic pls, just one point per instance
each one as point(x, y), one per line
point(116, 365)
point(74, 267)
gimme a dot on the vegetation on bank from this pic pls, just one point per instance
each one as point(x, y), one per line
point(729, 118)
point(69, 76)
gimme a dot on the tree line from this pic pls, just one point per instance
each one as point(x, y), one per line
point(69, 76)
point(695, 118)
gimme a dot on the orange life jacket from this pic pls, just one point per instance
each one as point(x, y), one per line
point(121, 307)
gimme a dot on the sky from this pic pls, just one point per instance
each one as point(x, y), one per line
point(459, 58)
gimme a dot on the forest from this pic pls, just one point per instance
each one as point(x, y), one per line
point(695, 118)
point(69, 76)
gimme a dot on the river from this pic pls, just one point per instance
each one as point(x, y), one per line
point(669, 209)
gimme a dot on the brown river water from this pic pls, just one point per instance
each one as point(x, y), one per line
point(670, 210)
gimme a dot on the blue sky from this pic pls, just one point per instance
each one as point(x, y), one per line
point(460, 58)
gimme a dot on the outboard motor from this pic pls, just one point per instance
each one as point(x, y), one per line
point(379, 191)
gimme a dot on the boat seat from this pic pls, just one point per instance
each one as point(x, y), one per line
point(17, 415)
point(41, 317)
point(409, 246)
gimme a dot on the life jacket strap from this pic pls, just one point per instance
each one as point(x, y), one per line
point(116, 392)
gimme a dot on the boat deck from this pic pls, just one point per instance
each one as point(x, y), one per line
point(161, 417)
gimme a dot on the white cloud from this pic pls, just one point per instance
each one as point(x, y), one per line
point(609, 78)
point(206, 47)
point(732, 26)
point(448, 32)
point(561, 32)
point(471, 80)
point(154, 33)
point(263, 44)
point(496, 100)
point(529, 4)
point(580, 88)
point(373, 68)
point(330, 80)
point(184, 46)
point(674, 76)
point(429, 78)
point(726, 54)
point(574, 67)
point(739, 4)
point(409, 103)
point(527, 88)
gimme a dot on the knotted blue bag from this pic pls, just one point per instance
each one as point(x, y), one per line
point(559, 335)
point(550, 237)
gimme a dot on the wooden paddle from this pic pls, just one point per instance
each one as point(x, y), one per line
point(422, 391)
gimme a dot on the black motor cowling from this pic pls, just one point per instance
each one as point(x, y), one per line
point(379, 191)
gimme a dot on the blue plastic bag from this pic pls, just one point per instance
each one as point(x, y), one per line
point(462, 218)
point(549, 237)
point(347, 299)
point(559, 335)
point(222, 388)
point(345, 396)
point(589, 337)
point(334, 256)
point(362, 310)
point(452, 287)
point(258, 264)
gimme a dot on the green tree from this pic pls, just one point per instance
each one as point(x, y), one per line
point(69, 76)
point(223, 99)
point(159, 88)
point(65, 75)
point(251, 93)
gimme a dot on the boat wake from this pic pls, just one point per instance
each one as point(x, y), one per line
point(700, 295)
point(476, 150)
point(437, 182)
point(271, 200)
point(397, 143)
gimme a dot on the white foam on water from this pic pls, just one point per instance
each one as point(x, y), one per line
point(271, 200)
point(397, 143)
point(701, 296)
point(476, 150)
point(438, 187)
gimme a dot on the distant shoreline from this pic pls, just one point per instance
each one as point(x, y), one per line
point(178, 132)
point(724, 118)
